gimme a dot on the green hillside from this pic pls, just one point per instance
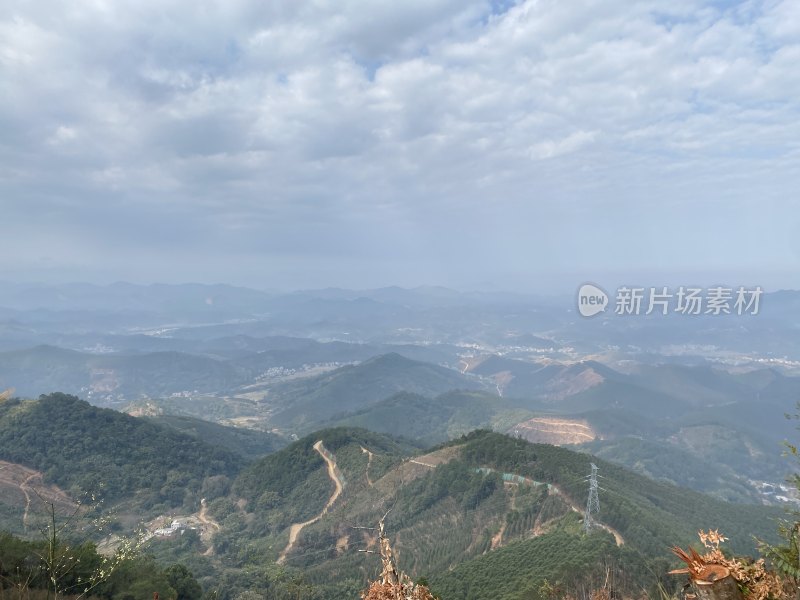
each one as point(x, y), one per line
point(555, 563)
point(483, 516)
point(249, 443)
point(649, 514)
point(458, 523)
point(434, 420)
point(280, 475)
point(312, 401)
point(624, 395)
point(671, 463)
point(83, 448)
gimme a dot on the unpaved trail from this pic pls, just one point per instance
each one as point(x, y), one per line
point(369, 462)
point(617, 535)
point(497, 540)
point(211, 523)
point(203, 518)
point(24, 489)
point(295, 529)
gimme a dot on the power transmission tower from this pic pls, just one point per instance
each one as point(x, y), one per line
point(593, 502)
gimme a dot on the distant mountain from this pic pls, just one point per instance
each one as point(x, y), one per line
point(191, 298)
point(731, 419)
point(627, 396)
point(652, 421)
point(550, 382)
point(528, 340)
point(318, 399)
point(435, 420)
point(681, 466)
point(701, 385)
point(128, 367)
point(45, 368)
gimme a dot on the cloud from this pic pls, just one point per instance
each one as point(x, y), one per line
point(299, 133)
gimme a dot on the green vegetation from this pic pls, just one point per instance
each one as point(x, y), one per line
point(23, 573)
point(650, 515)
point(309, 402)
point(248, 443)
point(204, 407)
point(153, 374)
point(673, 464)
point(434, 420)
point(472, 534)
point(294, 480)
point(785, 556)
point(455, 514)
point(83, 448)
point(552, 565)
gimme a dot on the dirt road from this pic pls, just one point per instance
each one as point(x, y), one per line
point(29, 483)
point(497, 540)
point(294, 530)
point(24, 489)
point(369, 462)
point(617, 535)
point(211, 526)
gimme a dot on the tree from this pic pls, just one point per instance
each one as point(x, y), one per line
point(74, 567)
point(183, 582)
point(785, 557)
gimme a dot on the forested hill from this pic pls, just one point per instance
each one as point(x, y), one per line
point(250, 443)
point(83, 448)
point(649, 516)
point(311, 401)
point(281, 473)
point(648, 513)
point(486, 504)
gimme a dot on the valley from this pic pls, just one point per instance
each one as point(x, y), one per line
point(262, 459)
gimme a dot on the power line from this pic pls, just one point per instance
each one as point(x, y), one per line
point(593, 502)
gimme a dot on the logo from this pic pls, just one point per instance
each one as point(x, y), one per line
point(591, 300)
point(686, 300)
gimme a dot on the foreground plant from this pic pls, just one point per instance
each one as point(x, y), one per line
point(714, 576)
point(393, 584)
point(61, 558)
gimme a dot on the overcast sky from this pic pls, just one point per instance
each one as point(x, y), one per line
point(362, 143)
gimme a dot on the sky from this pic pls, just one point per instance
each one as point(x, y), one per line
point(525, 145)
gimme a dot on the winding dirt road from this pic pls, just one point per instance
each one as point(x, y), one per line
point(369, 462)
point(571, 503)
point(210, 523)
point(617, 535)
point(24, 489)
point(295, 529)
point(497, 540)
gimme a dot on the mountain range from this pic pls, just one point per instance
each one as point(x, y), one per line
point(466, 514)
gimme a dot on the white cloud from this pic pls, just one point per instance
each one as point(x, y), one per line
point(553, 148)
point(396, 126)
